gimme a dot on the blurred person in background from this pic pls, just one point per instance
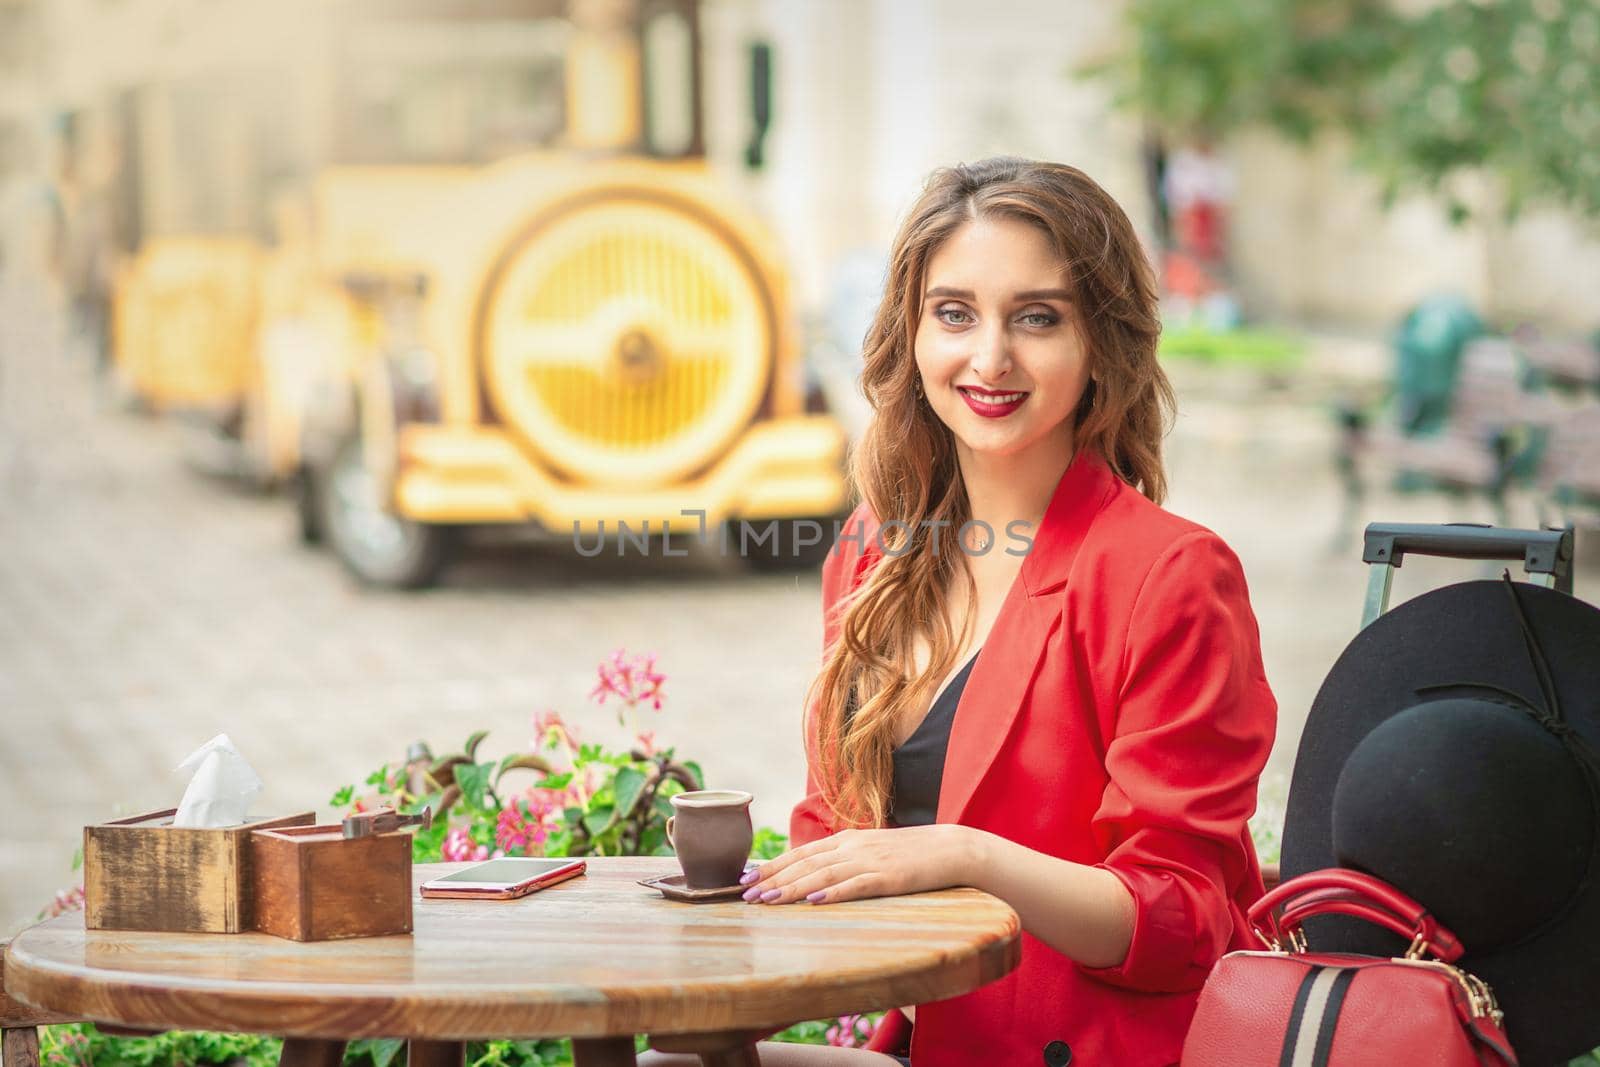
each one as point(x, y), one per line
point(1196, 189)
point(90, 159)
point(31, 222)
point(1076, 726)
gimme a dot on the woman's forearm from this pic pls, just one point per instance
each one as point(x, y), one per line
point(1083, 912)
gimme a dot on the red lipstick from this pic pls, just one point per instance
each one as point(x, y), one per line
point(992, 403)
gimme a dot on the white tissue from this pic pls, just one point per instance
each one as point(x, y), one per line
point(222, 787)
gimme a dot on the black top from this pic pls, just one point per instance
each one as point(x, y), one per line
point(919, 763)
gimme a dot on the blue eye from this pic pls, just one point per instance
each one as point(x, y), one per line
point(943, 315)
point(1040, 318)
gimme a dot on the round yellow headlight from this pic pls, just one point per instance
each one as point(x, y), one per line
point(627, 337)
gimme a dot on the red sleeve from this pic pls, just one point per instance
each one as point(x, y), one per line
point(1195, 723)
point(841, 570)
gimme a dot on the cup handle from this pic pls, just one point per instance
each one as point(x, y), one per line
point(670, 820)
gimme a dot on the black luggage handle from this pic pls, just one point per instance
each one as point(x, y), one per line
point(1546, 553)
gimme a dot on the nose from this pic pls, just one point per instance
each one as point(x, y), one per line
point(991, 356)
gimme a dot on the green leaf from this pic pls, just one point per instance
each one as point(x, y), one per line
point(473, 778)
point(598, 819)
point(418, 803)
point(380, 1051)
point(471, 747)
point(555, 781)
point(77, 859)
point(694, 770)
point(523, 761)
point(629, 784)
point(427, 846)
point(768, 844)
point(559, 843)
point(379, 776)
point(343, 796)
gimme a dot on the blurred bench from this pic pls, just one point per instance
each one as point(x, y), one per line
point(1488, 437)
point(1565, 364)
point(1569, 474)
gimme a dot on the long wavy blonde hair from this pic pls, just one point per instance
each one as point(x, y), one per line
point(904, 466)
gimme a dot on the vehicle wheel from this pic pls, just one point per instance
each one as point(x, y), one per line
point(784, 552)
point(375, 545)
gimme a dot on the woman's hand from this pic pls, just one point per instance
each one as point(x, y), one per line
point(855, 864)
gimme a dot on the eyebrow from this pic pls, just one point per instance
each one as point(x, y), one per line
point(1031, 294)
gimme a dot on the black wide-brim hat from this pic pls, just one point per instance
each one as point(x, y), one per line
point(1432, 759)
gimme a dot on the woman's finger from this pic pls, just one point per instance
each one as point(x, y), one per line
point(858, 887)
point(766, 889)
point(816, 881)
point(795, 855)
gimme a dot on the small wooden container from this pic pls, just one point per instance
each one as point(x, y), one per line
point(143, 873)
point(314, 884)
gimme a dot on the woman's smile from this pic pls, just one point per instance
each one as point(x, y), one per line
point(990, 404)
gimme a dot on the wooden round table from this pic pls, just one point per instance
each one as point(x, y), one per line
point(598, 959)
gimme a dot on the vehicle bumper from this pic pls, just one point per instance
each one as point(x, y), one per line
point(783, 468)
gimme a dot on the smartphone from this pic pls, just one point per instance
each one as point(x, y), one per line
point(502, 879)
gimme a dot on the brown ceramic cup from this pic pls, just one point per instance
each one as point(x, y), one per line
point(711, 832)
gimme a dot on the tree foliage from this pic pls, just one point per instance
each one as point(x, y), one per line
point(1426, 92)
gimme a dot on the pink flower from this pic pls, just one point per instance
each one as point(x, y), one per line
point(646, 743)
point(851, 1031)
point(551, 730)
point(524, 827)
point(66, 900)
point(633, 679)
point(71, 1048)
point(458, 847)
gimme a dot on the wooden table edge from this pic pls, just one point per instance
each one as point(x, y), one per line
point(147, 1000)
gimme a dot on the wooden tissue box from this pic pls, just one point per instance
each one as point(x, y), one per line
point(311, 883)
point(143, 873)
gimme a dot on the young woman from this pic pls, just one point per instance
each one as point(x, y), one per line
point(1036, 681)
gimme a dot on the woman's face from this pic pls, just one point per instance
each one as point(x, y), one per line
point(997, 343)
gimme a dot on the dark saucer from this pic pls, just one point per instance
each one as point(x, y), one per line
point(672, 888)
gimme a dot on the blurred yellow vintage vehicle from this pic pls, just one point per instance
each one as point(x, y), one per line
point(591, 339)
point(594, 347)
point(184, 319)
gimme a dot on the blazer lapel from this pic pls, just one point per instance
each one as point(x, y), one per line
point(1010, 656)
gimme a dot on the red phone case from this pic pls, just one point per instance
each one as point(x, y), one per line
point(512, 892)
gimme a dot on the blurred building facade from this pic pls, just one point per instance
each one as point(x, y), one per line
point(875, 93)
point(182, 114)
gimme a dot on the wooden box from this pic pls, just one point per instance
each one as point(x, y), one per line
point(314, 884)
point(143, 873)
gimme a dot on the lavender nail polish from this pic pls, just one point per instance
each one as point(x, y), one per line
point(752, 893)
point(816, 898)
point(749, 876)
point(770, 895)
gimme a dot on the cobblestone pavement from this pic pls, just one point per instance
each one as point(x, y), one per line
point(144, 608)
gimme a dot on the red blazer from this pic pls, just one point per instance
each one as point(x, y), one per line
point(1118, 716)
